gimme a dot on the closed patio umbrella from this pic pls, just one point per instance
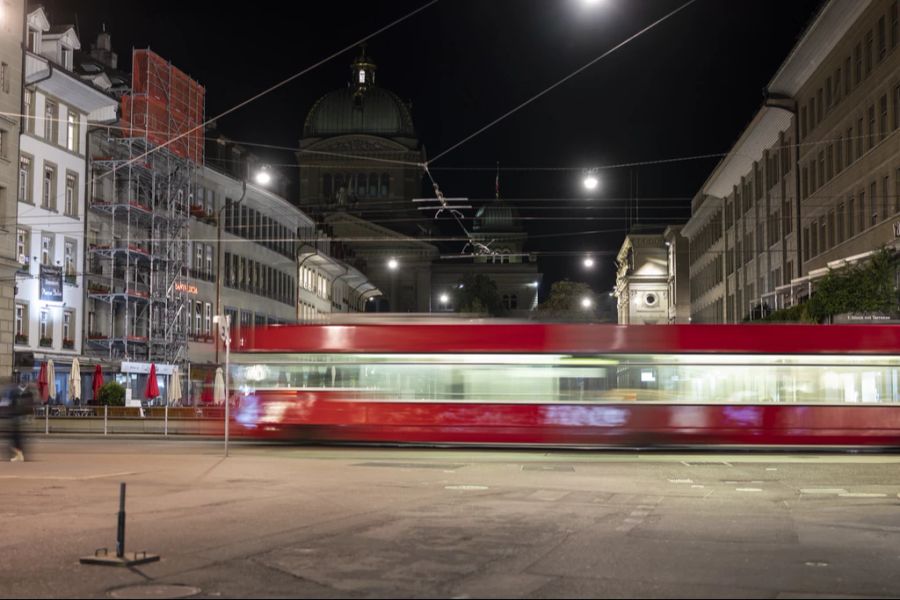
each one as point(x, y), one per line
point(43, 388)
point(98, 383)
point(174, 398)
point(152, 389)
point(219, 389)
point(51, 380)
point(75, 382)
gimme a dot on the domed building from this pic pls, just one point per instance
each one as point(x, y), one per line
point(360, 169)
point(359, 152)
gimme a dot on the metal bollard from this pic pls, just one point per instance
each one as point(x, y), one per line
point(120, 530)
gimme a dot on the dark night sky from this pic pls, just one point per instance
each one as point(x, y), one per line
point(685, 88)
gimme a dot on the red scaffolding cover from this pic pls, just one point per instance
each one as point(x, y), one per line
point(164, 105)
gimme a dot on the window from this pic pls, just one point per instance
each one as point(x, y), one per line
point(385, 179)
point(209, 260)
point(23, 246)
point(198, 260)
point(885, 206)
point(207, 319)
point(895, 26)
point(897, 107)
point(25, 179)
point(859, 138)
point(21, 323)
point(65, 57)
point(68, 329)
point(847, 86)
point(882, 38)
point(839, 156)
point(198, 318)
point(48, 197)
point(873, 199)
point(851, 217)
point(72, 141)
point(871, 127)
point(840, 222)
point(870, 41)
point(4, 77)
point(34, 40)
point(849, 146)
point(69, 258)
point(44, 327)
point(71, 194)
point(857, 58)
point(28, 99)
point(883, 122)
point(50, 123)
point(47, 249)
point(862, 211)
point(327, 186)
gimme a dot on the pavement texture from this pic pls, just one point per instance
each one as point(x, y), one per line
point(364, 522)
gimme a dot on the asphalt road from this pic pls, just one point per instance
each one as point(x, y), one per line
point(326, 522)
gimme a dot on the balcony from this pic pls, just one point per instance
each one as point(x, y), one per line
point(22, 338)
point(45, 342)
point(68, 344)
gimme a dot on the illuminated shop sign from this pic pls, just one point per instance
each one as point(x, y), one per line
point(186, 288)
point(51, 279)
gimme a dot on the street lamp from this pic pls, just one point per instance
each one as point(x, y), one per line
point(393, 264)
point(588, 262)
point(591, 181)
point(586, 302)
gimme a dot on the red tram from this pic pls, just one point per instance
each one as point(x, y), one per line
point(566, 384)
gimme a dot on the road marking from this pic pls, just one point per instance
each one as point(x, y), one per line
point(748, 490)
point(697, 486)
point(771, 469)
point(861, 495)
point(823, 491)
point(465, 487)
point(681, 481)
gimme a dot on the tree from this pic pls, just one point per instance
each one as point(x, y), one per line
point(565, 302)
point(861, 288)
point(478, 294)
point(112, 394)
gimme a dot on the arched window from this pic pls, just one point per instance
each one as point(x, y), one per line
point(373, 185)
point(327, 188)
point(385, 185)
point(361, 186)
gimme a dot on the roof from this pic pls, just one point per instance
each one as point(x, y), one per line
point(377, 111)
point(578, 339)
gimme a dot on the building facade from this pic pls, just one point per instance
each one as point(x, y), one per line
point(652, 277)
point(814, 180)
point(12, 26)
point(50, 249)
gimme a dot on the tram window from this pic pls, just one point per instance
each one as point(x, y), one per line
point(718, 379)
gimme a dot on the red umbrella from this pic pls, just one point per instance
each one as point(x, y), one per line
point(206, 396)
point(43, 388)
point(98, 383)
point(152, 390)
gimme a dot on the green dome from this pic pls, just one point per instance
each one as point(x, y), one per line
point(374, 112)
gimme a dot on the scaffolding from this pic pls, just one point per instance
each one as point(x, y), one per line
point(143, 176)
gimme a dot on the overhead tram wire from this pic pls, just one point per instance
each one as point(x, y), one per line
point(276, 86)
point(560, 82)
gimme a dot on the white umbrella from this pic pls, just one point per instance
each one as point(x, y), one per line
point(175, 388)
point(75, 381)
point(51, 380)
point(219, 388)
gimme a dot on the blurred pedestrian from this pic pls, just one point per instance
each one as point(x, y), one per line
point(15, 402)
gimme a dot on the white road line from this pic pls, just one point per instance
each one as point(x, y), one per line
point(748, 489)
point(69, 477)
point(861, 495)
point(823, 491)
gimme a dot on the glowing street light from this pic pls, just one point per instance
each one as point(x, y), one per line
point(263, 177)
point(393, 264)
point(591, 182)
point(586, 302)
point(588, 262)
point(444, 298)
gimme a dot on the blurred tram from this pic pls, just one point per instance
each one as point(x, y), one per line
point(565, 384)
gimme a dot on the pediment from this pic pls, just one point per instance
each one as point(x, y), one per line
point(348, 144)
point(37, 19)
